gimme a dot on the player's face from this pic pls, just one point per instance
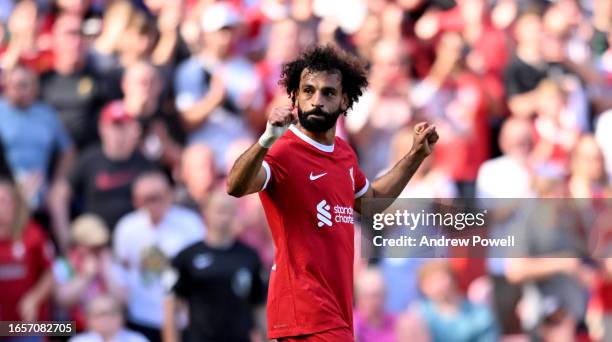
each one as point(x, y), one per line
point(320, 100)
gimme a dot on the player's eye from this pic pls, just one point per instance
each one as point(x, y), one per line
point(307, 90)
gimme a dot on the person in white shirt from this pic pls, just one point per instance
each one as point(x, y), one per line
point(500, 184)
point(105, 323)
point(144, 242)
point(509, 176)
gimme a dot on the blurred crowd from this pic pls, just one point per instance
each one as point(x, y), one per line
point(119, 120)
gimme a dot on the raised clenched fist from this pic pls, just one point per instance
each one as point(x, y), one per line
point(424, 138)
point(279, 120)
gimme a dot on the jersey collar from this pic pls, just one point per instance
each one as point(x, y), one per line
point(310, 141)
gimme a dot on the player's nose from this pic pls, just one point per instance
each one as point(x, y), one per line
point(317, 100)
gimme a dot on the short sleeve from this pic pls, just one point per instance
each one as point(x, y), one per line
point(121, 244)
point(274, 165)
point(362, 184)
point(180, 284)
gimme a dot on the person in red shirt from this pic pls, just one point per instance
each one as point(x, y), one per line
point(309, 183)
point(26, 254)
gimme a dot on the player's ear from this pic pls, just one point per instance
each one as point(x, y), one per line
point(344, 103)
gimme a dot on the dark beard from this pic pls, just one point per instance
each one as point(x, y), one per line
point(317, 124)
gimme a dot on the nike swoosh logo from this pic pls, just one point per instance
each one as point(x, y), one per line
point(315, 177)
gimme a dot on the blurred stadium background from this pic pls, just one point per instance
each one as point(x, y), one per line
point(120, 119)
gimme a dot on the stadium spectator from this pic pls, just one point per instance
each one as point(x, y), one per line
point(162, 132)
point(216, 88)
point(366, 37)
point(33, 139)
point(168, 45)
point(390, 101)
point(197, 176)
point(105, 322)
point(24, 45)
point(144, 241)
point(555, 279)
point(31, 134)
point(516, 142)
point(447, 314)
point(557, 124)
point(526, 67)
point(87, 270)
point(497, 191)
point(220, 280)
point(138, 39)
point(102, 176)
point(26, 255)
point(588, 177)
point(74, 87)
point(463, 117)
point(106, 46)
point(372, 322)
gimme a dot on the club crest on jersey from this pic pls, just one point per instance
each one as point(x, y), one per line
point(326, 216)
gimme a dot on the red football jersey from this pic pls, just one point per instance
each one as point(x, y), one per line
point(308, 198)
point(22, 263)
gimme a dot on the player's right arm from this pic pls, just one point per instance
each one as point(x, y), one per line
point(248, 175)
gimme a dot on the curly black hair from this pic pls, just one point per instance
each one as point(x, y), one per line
point(326, 58)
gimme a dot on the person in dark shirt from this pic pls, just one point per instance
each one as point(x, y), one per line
point(527, 67)
point(73, 87)
point(162, 132)
point(103, 175)
point(219, 279)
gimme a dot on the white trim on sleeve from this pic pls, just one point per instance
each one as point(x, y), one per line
point(266, 167)
point(363, 190)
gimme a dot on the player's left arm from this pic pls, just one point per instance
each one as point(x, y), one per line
point(391, 184)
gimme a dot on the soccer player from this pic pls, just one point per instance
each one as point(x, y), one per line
point(309, 182)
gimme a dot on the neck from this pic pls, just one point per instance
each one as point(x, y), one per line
point(325, 138)
point(157, 219)
point(528, 53)
point(68, 68)
point(213, 56)
point(115, 155)
point(217, 239)
point(108, 336)
point(448, 302)
point(138, 107)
